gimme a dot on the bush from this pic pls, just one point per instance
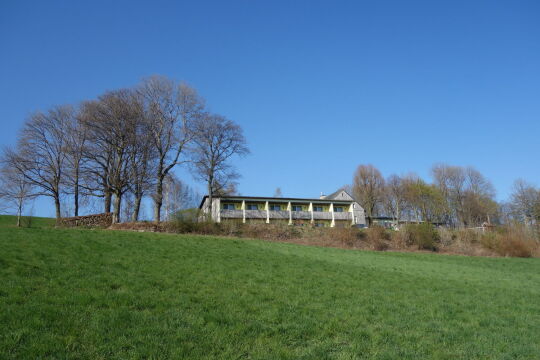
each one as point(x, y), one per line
point(513, 241)
point(346, 237)
point(515, 246)
point(378, 238)
point(447, 236)
point(468, 236)
point(424, 236)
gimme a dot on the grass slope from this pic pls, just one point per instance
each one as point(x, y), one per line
point(99, 294)
point(27, 221)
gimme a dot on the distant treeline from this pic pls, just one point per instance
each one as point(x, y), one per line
point(458, 197)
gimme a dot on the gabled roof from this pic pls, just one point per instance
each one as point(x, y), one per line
point(336, 193)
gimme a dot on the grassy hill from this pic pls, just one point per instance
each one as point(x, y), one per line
point(27, 221)
point(98, 294)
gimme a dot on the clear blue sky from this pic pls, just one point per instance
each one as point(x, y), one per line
point(319, 87)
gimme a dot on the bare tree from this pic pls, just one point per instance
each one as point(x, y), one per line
point(76, 136)
point(171, 110)
point(525, 203)
point(142, 158)
point(128, 208)
point(15, 191)
point(98, 153)
point(469, 196)
point(112, 124)
point(451, 181)
point(395, 197)
point(368, 188)
point(230, 188)
point(479, 204)
point(425, 200)
point(177, 196)
point(41, 155)
point(216, 140)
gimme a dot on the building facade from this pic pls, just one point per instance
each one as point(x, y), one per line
point(336, 210)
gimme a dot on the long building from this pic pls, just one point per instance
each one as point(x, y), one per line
point(336, 210)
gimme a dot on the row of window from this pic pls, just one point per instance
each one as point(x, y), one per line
point(279, 207)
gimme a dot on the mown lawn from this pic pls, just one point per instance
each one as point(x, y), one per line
point(97, 294)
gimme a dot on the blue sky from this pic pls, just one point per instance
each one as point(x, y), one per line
point(319, 87)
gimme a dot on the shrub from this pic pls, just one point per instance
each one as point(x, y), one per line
point(515, 246)
point(513, 241)
point(424, 236)
point(283, 232)
point(378, 237)
point(467, 236)
point(186, 221)
point(447, 236)
point(347, 237)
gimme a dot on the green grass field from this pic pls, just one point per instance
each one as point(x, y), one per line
point(35, 222)
point(97, 294)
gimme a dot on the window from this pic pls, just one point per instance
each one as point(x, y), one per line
point(296, 208)
point(275, 207)
point(228, 206)
point(252, 207)
point(338, 209)
point(317, 208)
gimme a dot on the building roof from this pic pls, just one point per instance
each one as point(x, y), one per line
point(233, 197)
point(336, 193)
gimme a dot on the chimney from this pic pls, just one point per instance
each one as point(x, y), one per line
point(322, 196)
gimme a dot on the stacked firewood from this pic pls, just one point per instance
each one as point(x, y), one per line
point(96, 220)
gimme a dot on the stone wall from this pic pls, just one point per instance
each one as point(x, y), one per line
point(96, 220)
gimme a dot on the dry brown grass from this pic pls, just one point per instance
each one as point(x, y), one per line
point(510, 241)
point(145, 226)
point(513, 241)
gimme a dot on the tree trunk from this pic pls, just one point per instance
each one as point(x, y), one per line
point(76, 196)
point(19, 213)
point(57, 207)
point(370, 216)
point(158, 199)
point(116, 208)
point(107, 201)
point(137, 208)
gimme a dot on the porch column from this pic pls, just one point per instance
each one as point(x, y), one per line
point(289, 207)
point(333, 223)
point(244, 211)
point(267, 213)
point(311, 211)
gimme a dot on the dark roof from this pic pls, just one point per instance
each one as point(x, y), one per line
point(267, 198)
